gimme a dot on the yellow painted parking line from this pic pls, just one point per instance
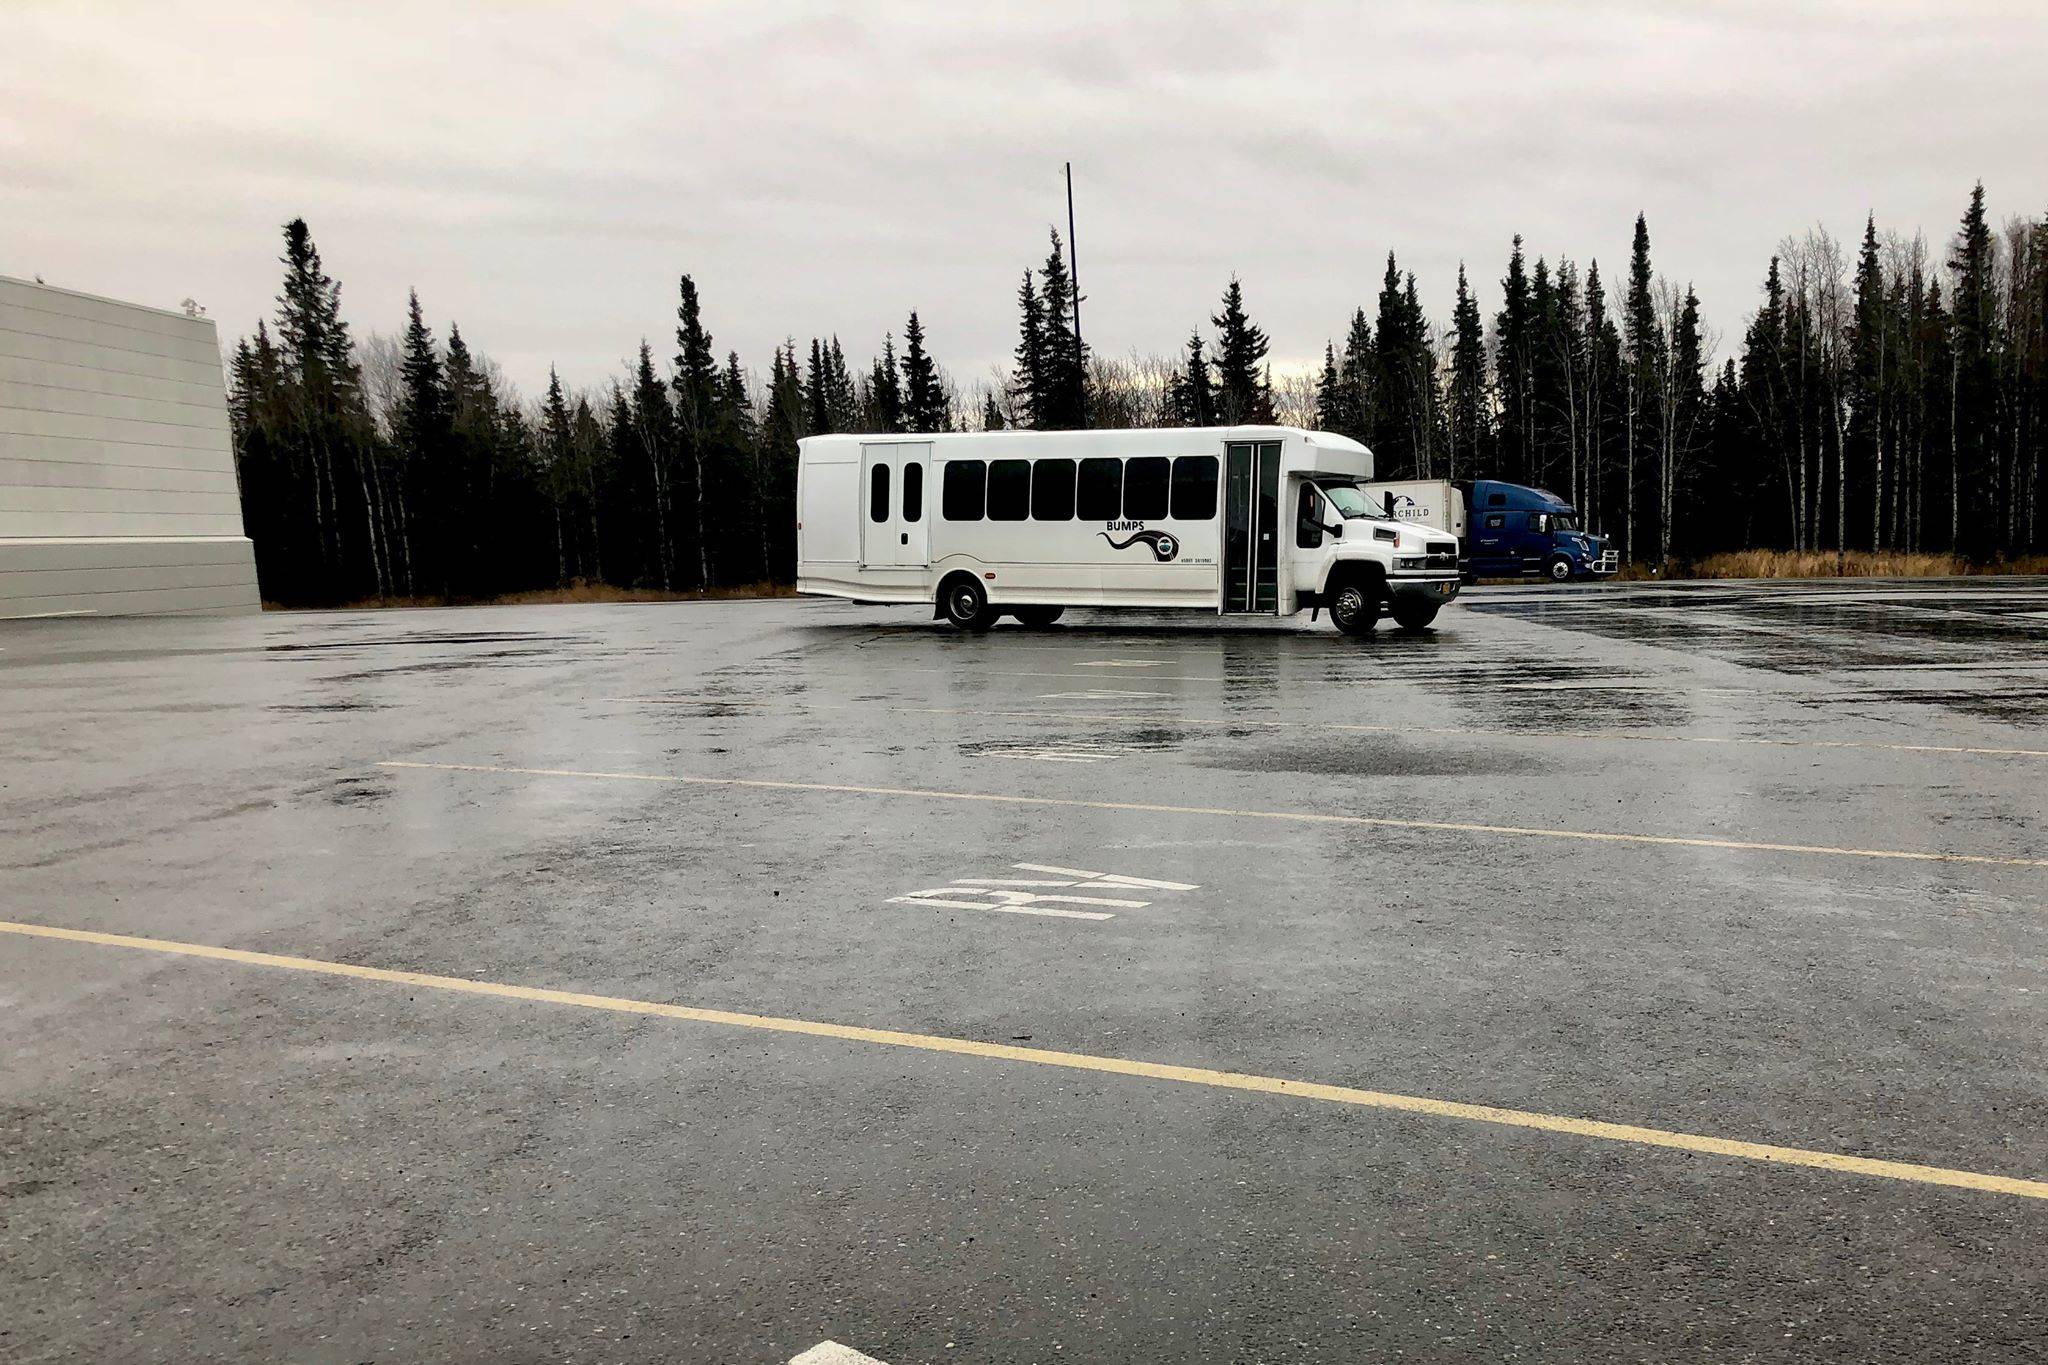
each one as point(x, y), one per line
point(1596, 1129)
point(1300, 817)
point(1460, 732)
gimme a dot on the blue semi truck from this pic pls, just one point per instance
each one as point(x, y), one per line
point(1504, 530)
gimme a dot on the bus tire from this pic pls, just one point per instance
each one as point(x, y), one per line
point(1036, 617)
point(1559, 569)
point(1414, 616)
point(963, 602)
point(1354, 605)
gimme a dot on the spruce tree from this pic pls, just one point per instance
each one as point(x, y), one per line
point(696, 418)
point(885, 389)
point(1193, 399)
point(789, 406)
point(991, 413)
point(925, 407)
point(1030, 383)
point(1065, 361)
point(1242, 394)
point(841, 396)
point(423, 396)
point(1644, 360)
point(654, 440)
point(1973, 324)
point(1873, 357)
point(1466, 408)
point(1602, 343)
point(1394, 414)
point(328, 452)
point(1514, 364)
point(1426, 412)
point(1329, 389)
point(817, 392)
point(1355, 371)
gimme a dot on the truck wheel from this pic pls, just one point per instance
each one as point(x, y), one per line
point(1559, 569)
point(1038, 616)
point(1354, 609)
point(1414, 616)
point(965, 604)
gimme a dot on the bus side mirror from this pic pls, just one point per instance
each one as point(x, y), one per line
point(1337, 530)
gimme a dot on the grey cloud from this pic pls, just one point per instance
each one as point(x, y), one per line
point(543, 174)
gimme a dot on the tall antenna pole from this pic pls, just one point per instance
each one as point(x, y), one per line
point(1074, 279)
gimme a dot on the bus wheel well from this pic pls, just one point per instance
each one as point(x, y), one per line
point(1371, 577)
point(945, 586)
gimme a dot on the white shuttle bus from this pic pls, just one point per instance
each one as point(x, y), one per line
point(1255, 521)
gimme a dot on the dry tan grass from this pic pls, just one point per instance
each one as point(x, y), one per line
point(1828, 564)
point(578, 592)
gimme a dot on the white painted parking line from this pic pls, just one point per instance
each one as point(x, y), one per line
point(1058, 751)
point(1107, 878)
point(1120, 663)
point(1324, 819)
point(1100, 694)
point(1002, 894)
point(1051, 912)
point(832, 1353)
point(1458, 732)
point(1015, 881)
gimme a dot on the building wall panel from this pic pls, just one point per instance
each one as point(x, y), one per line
point(117, 478)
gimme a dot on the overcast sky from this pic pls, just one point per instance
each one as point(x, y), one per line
point(543, 172)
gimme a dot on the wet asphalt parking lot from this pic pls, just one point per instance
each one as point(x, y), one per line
point(1625, 929)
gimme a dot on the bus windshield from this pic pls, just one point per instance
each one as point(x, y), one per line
point(1350, 503)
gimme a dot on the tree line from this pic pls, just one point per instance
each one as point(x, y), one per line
point(1889, 398)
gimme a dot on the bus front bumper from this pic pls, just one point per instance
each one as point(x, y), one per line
point(1438, 588)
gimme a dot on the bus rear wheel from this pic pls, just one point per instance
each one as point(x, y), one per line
point(1354, 609)
point(1038, 616)
point(965, 604)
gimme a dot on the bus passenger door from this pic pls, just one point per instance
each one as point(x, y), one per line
point(1251, 526)
point(895, 527)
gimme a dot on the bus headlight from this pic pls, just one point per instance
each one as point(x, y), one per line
point(1411, 562)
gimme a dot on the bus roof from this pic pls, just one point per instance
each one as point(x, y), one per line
point(1100, 436)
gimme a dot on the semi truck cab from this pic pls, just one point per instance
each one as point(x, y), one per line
point(1514, 530)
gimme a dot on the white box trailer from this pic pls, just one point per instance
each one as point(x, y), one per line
point(1256, 520)
point(1423, 502)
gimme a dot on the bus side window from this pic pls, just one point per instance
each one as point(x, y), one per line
point(1194, 488)
point(1052, 490)
point(1100, 496)
point(878, 492)
point(913, 491)
point(1009, 490)
point(966, 483)
point(1146, 482)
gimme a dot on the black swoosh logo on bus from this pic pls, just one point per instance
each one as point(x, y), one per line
point(1164, 546)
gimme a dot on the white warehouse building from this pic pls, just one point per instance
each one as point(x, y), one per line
point(117, 479)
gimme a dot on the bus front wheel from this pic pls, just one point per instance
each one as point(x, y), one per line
point(1354, 609)
point(965, 604)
